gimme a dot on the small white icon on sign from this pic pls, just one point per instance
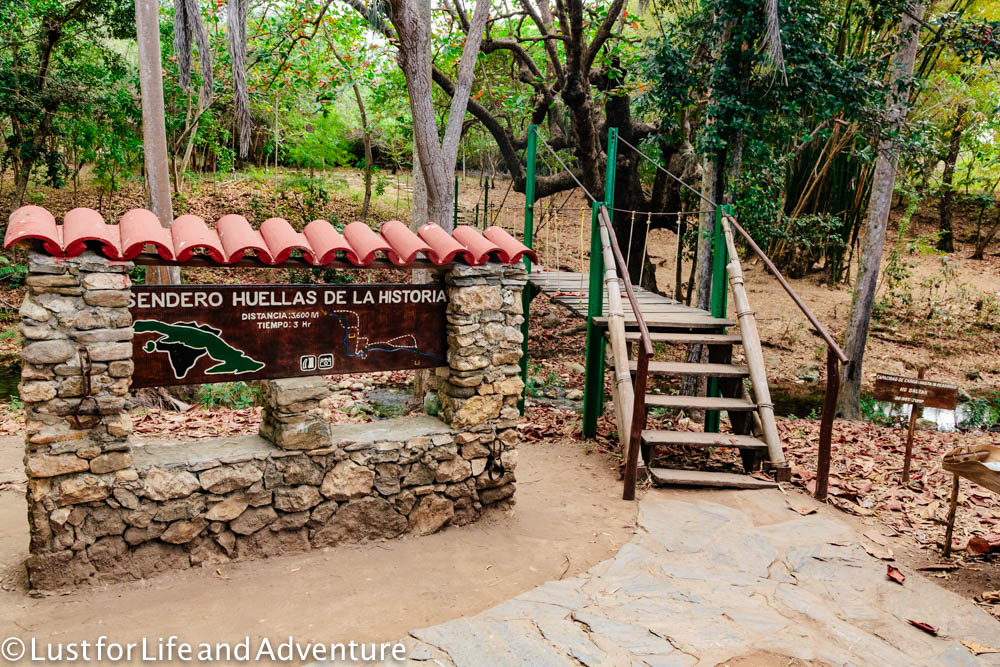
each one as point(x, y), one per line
point(325, 362)
point(307, 362)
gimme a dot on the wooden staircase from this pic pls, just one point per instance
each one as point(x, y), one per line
point(741, 388)
point(740, 409)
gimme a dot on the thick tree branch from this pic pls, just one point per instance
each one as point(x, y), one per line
point(604, 32)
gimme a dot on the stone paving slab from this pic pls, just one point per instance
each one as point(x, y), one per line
point(700, 584)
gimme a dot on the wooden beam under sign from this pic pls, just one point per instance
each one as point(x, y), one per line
point(151, 259)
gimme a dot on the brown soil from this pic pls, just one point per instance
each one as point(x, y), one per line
point(569, 516)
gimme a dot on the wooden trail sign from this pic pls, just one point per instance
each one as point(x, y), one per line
point(220, 333)
point(916, 391)
point(919, 393)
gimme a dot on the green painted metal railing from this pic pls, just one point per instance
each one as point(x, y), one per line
point(529, 233)
point(720, 258)
point(593, 387)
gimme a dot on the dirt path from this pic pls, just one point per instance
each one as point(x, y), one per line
point(569, 516)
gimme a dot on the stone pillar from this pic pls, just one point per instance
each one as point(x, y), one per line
point(296, 413)
point(75, 376)
point(481, 386)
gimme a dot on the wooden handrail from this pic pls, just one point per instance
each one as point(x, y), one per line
point(623, 274)
point(637, 418)
point(820, 329)
point(754, 356)
point(833, 355)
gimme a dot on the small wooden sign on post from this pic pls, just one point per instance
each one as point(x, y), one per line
point(919, 393)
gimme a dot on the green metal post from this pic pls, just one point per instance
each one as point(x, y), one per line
point(486, 200)
point(609, 172)
point(529, 233)
point(720, 258)
point(593, 383)
point(475, 216)
point(454, 215)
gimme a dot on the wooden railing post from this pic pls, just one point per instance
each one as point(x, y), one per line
point(754, 358)
point(826, 425)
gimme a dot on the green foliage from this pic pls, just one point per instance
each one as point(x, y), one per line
point(236, 395)
point(873, 411)
point(321, 276)
point(138, 275)
point(11, 273)
point(980, 413)
point(67, 93)
point(307, 195)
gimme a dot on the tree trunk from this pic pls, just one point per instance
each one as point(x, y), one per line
point(366, 133)
point(946, 241)
point(883, 181)
point(154, 133)
point(436, 157)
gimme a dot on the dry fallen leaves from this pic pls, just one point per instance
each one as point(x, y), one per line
point(881, 554)
point(864, 480)
point(929, 629)
point(975, 648)
point(894, 574)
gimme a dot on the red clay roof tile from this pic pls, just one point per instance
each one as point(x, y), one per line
point(233, 237)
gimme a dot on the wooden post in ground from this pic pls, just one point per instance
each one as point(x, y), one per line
point(915, 412)
point(826, 425)
point(952, 508)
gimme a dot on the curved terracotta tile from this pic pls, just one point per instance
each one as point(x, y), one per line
point(364, 243)
point(190, 233)
point(85, 224)
point(325, 241)
point(281, 239)
point(511, 250)
point(479, 247)
point(237, 236)
point(274, 243)
point(405, 244)
point(139, 227)
point(444, 248)
point(34, 222)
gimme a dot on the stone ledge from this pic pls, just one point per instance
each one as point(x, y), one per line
point(174, 454)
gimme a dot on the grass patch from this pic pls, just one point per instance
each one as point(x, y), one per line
point(236, 395)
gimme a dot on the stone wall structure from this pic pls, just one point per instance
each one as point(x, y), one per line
point(103, 507)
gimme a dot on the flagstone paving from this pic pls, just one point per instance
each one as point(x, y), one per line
point(701, 584)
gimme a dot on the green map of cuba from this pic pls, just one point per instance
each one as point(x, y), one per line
point(187, 342)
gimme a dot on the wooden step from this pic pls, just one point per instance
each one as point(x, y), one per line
point(688, 338)
point(701, 439)
point(700, 403)
point(718, 480)
point(679, 321)
point(684, 369)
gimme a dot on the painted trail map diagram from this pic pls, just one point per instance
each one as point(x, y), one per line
point(219, 333)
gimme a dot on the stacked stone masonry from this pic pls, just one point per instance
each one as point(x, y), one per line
point(103, 508)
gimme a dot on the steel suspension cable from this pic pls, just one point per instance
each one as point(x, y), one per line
point(666, 171)
point(567, 169)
